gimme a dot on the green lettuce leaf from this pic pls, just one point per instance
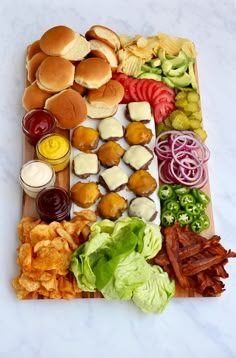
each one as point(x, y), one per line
point(152, 241)
point(154, 294)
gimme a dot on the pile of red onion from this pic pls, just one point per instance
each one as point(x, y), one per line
point(182, 156)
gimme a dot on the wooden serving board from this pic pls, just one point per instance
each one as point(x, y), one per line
point(63, 180)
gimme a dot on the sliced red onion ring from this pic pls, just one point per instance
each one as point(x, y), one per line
point(182, 156)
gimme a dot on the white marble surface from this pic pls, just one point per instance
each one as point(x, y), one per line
point(97, 328)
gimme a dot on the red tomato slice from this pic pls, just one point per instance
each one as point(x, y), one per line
point(139, 89)
point(163, 92)
point(153, 86)
point(162, 110)
point(144, 89)
point(132, 90)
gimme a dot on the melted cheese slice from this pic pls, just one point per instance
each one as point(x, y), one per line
point(137, 156)
point(85, 163)
point(140, 111)
point(114, 177)
point(110, 127)
point(143, 208)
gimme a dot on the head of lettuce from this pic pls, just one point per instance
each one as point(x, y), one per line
point(114, 261)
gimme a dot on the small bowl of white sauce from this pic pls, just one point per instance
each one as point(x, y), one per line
point(36, 175)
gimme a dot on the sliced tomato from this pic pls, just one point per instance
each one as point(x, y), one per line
point(163, 92)
point(139, 89)
point(144, 89)
point(132, 89)
point(162, 110)
point(153, 86)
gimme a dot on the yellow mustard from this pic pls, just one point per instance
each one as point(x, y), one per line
point(55, 149)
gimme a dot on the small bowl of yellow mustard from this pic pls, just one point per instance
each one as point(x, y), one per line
point(55, 149)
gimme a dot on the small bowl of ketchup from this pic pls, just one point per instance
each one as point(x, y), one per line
point(36, 123)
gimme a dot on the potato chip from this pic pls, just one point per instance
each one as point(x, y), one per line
point(28, 284)
point(44, 256)
point(24, 258)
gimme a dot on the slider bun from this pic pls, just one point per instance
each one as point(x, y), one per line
point(102, 50)
point(82, 90)
point(57, 41)
point(55, 74)
point(99, 112)
point(93, 72)
point(68, 107)
point(108, 95)
point(104, 34)
point(33, 64)
point(32, 49)
point(63, 41)
point(34, 97)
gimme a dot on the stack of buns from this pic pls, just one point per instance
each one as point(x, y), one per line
point(70, 74)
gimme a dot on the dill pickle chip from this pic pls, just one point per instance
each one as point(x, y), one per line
point(193, 97)
point(181, 103)
point(194, 123)
point(181, 95)
point(196, 115)
point(180, 122)
point(191, 107)
point(202, 133)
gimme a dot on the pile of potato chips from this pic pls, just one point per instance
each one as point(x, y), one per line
point(137, 50)
point(44, 256)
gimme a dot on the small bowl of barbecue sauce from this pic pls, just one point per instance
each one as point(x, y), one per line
point(36, 123)
point(53, 204)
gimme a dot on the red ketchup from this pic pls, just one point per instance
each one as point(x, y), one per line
point(37, 123)
point(53, 204)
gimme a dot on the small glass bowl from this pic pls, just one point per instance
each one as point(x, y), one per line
point(36, 175)
point(50, 149)
point(36, 123)
point(53, 204)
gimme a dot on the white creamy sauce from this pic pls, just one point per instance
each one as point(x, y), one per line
point(85, 163)
point(36, 174)
point(114, 177)
point(110, 127)
point(137, 156)
point(143, 208)
point(139, 111)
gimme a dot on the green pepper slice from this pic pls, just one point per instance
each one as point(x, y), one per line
point(172, 205)
point(182, 190)
point(197, 226)
point(205, 220)
point(192, 209)
point(184, 218)
point(201, 207)
point(187, 199)
point(201, 196)
point(167, 218)
point(165, 192)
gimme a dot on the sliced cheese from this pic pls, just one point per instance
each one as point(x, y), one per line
point(137, 156)
point(140, 111)
point(85, 163)
point(143, 208)
point(110, 127)
point(114, 177)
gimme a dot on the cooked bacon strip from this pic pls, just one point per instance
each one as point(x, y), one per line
point(172, 247)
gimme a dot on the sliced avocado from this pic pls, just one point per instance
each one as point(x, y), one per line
point(155, 62)
point(192, 75)
point(151, 75)
point(178, 71)
point(180, 60)
point(168, 82)
point(181, 81)
point(147, 68)
point(166, 66)
point(162, 54)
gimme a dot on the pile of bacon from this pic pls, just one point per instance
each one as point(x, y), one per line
point(195, 262)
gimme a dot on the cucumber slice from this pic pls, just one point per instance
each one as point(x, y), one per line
point(150, 75)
